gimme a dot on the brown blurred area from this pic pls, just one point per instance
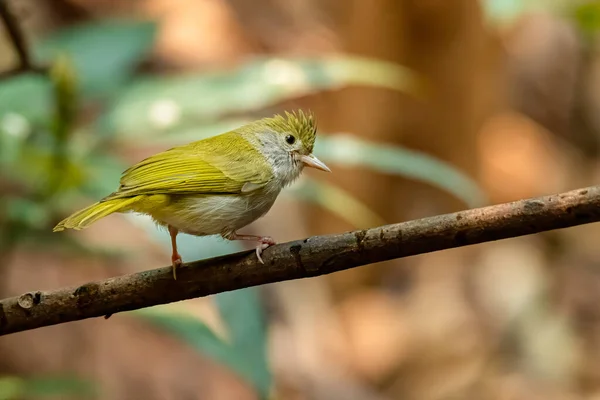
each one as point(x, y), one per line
point(515, 108)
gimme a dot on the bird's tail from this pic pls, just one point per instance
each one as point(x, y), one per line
point(84, 218)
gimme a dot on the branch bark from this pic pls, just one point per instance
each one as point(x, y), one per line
point(310, 257)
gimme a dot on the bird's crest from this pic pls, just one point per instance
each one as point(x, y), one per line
point(298, 122)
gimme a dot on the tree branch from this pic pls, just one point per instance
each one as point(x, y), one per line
point(19, 43)
point(314, 256)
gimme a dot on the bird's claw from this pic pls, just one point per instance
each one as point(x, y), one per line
point(265, 242)
point(176, 262)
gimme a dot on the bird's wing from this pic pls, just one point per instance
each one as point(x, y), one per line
point(219, 164)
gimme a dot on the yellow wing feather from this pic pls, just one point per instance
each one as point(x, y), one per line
point(220, 164)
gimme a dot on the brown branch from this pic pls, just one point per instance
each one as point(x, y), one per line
point(314, 256)
point(19, 43)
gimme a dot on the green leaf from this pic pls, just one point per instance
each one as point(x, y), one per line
point(163, 104)
point(242, 312)
point(337, 201)
point(197, 334)
point(28, 96)
point(187, 134)
point(105, 53)
point(349, 150)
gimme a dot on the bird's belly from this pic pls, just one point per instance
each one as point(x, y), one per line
point(215, 214)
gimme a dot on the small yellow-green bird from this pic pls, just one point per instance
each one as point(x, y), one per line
point(214, 186)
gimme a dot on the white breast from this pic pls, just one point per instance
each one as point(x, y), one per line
point(220, 214)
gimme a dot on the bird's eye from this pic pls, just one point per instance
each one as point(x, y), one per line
point(290, 139)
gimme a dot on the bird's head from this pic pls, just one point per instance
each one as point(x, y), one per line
point(287, 142)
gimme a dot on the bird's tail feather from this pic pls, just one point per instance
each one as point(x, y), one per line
point(84, 218)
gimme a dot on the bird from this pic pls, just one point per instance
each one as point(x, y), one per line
point(214, 186)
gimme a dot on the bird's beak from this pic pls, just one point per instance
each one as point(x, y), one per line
point(314, 162)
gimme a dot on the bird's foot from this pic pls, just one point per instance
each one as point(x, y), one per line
point(263, 242)
point(176, 262)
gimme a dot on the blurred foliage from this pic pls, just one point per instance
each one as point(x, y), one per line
point(242, 312)
point(337, 201)
point(244, 351)
point(15, 388)
point(584, 13)
point(105, 53)
point(154, 105)
point(26, 103)
point(587, 16)
point(57, 161)
point(352, 151)
point(506, 11)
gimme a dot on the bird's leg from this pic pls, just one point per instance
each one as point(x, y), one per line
point(175, 257)
point(263, 242)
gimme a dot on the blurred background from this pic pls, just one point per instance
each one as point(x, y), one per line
point(424, 107)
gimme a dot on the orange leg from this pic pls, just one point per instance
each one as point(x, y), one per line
point(175, 257)
point(263, 242)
